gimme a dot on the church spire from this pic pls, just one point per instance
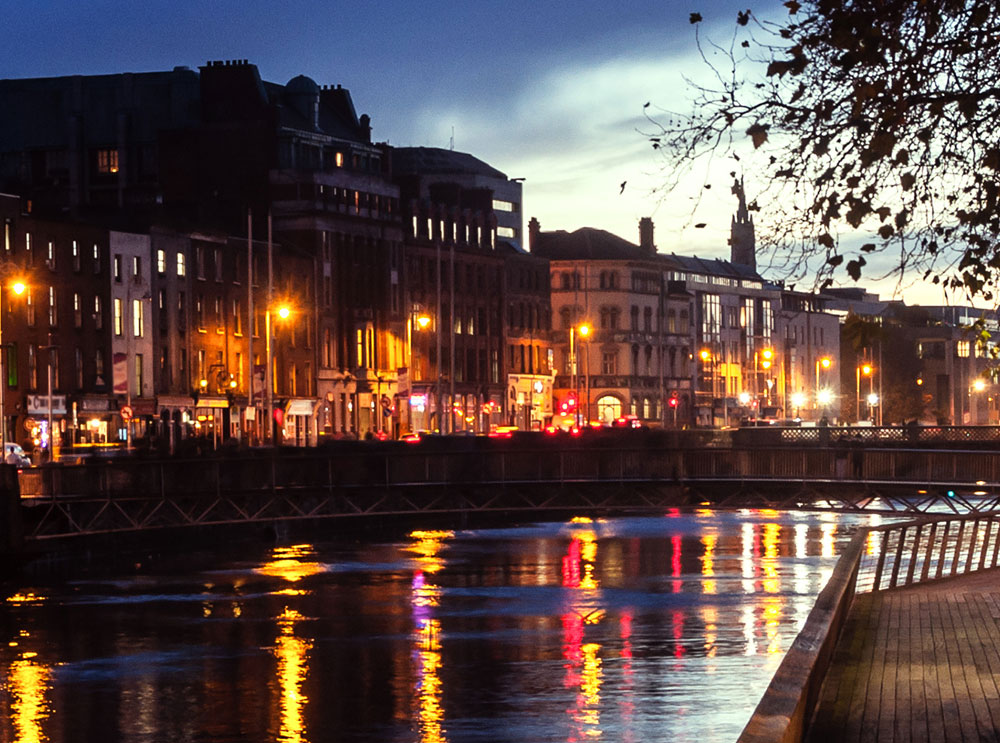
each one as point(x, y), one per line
point(742, 242)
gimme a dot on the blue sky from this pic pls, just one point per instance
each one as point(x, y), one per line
point(551, 92)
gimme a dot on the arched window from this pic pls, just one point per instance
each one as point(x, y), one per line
point(635, 361)
point(608, 408)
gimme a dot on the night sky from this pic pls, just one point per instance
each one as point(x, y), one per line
point(545, 91)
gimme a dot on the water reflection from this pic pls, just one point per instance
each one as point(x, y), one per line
point(424, 597)
point(582, 662)
point(617, 630)
point(28, 683)
point(291, 652)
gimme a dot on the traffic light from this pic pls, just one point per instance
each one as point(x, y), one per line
point(569, 404)
point(673, 401)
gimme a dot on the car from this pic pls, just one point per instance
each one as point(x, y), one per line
point(13, 451)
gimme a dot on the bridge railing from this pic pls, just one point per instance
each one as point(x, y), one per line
point(360, 467)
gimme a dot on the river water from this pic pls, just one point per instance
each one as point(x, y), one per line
point(631, 629)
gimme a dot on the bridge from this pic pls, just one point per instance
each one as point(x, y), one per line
point(954, 471)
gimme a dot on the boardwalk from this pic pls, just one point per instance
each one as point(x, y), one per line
point(917, 664)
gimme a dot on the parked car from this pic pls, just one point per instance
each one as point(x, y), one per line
point(14, 454)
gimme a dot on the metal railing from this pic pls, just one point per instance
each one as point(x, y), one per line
point(877, 559)
point(900, 555)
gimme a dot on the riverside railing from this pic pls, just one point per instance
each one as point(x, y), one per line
point(877, 559)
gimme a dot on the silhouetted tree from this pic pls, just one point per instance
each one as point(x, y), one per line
point(869, 117)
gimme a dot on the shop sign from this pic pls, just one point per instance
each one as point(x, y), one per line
point(39, 404)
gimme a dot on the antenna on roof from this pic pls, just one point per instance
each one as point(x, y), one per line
point(451, 143)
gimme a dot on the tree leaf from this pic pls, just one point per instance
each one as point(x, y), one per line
point(695, 18)
point(758, 133)
point(854, 268)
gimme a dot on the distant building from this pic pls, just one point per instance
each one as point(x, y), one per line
point(487, 342)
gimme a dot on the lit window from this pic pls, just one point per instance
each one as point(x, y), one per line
point(137, 318)
point(107, 161)
point(503, 206)
point(963, 349)
point(339, 159)
point(161, 262)
point(181, 265)
point(118, 317)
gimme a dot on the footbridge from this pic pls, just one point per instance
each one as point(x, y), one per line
point(621, 472)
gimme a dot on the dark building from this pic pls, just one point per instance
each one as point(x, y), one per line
point(196, 162)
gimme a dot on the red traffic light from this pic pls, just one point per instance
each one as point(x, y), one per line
point(672, 402)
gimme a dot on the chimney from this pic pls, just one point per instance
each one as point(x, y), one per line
point(534, 232)
point(646, 235)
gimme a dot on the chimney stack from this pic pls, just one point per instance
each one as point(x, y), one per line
point(534, 231)
point(646, 235)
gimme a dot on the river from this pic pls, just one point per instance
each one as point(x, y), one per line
point(626, 629)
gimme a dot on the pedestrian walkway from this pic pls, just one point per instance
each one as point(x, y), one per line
point(920, 663)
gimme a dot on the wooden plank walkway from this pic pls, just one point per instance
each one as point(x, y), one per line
point(920, 663)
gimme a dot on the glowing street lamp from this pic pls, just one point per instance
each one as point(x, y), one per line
point(583, 330)
point(18, 287)
point(866, 370)
point(283, 312)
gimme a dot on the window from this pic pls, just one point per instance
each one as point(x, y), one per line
point(136, 266)
point(78, 359)
point(219, 328)
point(29, 304)
point(99, 365)
point(32, 366)
point(181, 320)
point(608, 408)
point(181, 265)
point(98, 314)
point(609, 362)
point(138, 374)
point(218, 264)
point(199, 262)
point(647, 319)
point(75, 254)
point(97, 259)
point(27, 248)
point(962, 349)
point(237, 318)
point(161, 262)
point(6, 235)
point(199, 312)
point(119, 319)
point(50, 255)
point(77, 311)
point(634, 316)
point(107, 162)
point(118, 268)
point(137, 318)
point(503, 206)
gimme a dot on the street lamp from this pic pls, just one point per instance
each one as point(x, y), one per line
point(18, 287)
point(417, 321)
point(283, 312)
point(862, 370)
point(583, 330)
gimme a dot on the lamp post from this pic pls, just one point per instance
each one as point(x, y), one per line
point(18, 288)
point(50, 348)
point(284, 313)
point(584, 330)
point(823, 363)
point(706, 360)
point(416, 321)
point(864, 369)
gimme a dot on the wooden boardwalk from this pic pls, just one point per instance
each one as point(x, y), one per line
point(920, 663)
